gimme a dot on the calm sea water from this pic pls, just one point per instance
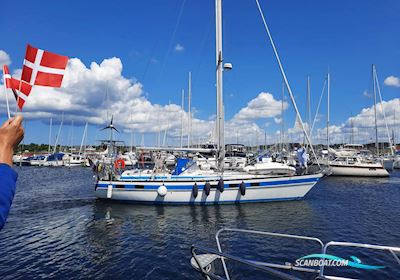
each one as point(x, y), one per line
point(58, 229)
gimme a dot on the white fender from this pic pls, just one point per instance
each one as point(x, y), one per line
point(109, 191)
point(162, 190)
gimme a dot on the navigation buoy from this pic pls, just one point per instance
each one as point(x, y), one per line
point(221, 185)
point(207, 188)
point(109, 190)
point(242, 188)
point(162, 190)
point(195, 190)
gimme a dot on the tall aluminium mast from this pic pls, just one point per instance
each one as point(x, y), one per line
point(220, 106)
point(328, 111)
point(190, 110)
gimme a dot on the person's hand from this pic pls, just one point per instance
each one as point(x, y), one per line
point(11, 134)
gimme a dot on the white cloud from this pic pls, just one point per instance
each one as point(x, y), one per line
point(366, 93)
point(179, 48)
point(91, 93)
point(361, 127)
point(263, 106)
point(4, 58)
point(392, 81)
point(100, 90)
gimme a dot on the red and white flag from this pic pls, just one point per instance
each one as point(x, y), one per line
point(43, 68)
point(9, 81)
point(20, 89)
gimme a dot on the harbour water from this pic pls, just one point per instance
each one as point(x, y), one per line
point(58, 229)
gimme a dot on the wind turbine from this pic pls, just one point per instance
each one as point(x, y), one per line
point(111, 127)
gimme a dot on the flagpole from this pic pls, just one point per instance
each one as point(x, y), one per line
point(19, 92)
point(6, 93)
point(8, 105)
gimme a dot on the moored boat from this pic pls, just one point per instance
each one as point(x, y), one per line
point(189, 184)
point(354, 166)
point(203, 187)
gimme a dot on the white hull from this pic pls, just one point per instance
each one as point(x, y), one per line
point(71, 164)
point(358, 171)
point(52, 163)
point(181, 192)
point(36, 162)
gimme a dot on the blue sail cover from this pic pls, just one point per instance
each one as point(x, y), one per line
point(181, 165)
point(54, 157)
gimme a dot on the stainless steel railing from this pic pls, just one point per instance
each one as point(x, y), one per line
point(272, 268)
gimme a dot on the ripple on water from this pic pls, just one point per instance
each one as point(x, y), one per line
point(57, 229)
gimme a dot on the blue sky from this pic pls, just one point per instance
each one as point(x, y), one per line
point(311, 36)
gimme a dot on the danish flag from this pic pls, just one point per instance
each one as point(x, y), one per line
point(15, 84)
point(43, 68)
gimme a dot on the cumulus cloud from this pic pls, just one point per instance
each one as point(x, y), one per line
point(361, 127)
point(93, 93)
point(88, 93)
point(179, 48)
point(392, 81)
point(4, 58)
point(263, 106)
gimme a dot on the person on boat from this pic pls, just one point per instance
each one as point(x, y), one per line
point(11, 134)
point(302, 158)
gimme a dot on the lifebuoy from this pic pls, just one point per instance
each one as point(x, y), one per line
point(119, 164)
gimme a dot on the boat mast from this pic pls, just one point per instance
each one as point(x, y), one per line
point(220, 106)
point(51, 124)
point(83, 138)
point(286, 81)
point(189, 109)
point(182, 115)
point(282, 117)
point(58, 134)
point(328, 111)
point(309, 104)
point(393, 128)
point(376, 124)
point(72, 136)
point(383, 111)
point(131, 119)
point(352, 129)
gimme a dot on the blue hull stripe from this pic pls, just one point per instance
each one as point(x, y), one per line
point(135, 178)
point(131, 185)
point(209, 202)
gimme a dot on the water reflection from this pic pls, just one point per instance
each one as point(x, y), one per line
point(59, 229)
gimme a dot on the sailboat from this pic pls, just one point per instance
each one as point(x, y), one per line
point(188, 184)
point(348, 161)
point(79, 159)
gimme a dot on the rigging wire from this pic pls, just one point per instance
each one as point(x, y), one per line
point(383, 111)
point(317, 111)
point(171, 42)
point(286, 81)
